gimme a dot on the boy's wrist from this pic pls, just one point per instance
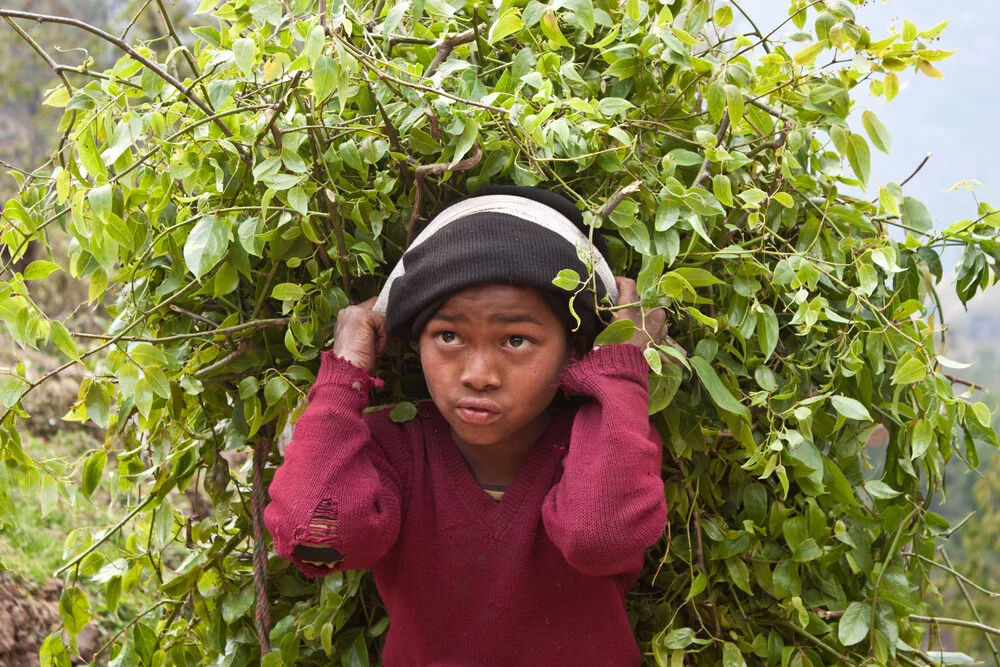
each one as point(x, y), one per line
point(619, 360)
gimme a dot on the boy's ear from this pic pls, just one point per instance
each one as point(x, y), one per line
point(578, 346)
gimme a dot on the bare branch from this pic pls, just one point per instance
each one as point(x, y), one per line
point(617, 198)
point(447, 44)
point(40, 51)
point(968, 383)
point(121, 44)
point(431, 170)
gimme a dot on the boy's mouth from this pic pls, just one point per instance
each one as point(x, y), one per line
point(477, 410)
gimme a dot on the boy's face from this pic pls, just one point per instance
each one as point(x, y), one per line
point(491, 357)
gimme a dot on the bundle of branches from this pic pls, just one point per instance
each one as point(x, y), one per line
point(226, 201)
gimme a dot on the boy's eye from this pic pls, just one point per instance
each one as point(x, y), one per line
point(517, 341)
point(447, 336)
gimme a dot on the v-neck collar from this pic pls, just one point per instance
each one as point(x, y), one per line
point(493, 513)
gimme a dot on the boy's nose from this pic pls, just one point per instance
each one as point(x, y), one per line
point(480, 372)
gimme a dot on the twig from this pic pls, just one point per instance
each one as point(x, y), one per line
point(774, 112)
point(917, 170)
point(40, 51)
point(417, 86)
point(159, 71)
point(173, 33)
point(955, 573)
point(816, 640)
point(701, 563)
point(425, 170)
point(138, 508)
point(617, 198)
point(447, 44)
point(723, 127)
point(963, 381)
point(225, 331)
point(972, 606)
point(135, 18)
point(956, 622)
point(763, 40)
point(338, 235)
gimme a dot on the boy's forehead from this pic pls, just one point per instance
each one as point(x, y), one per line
point(496, 298)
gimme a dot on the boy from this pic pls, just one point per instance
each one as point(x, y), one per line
point(503, 526)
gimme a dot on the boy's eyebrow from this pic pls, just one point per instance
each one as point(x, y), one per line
point(514, 318)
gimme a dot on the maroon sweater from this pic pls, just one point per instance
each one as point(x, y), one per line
point(538, 578)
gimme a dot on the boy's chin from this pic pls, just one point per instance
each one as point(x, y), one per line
point(480, 436)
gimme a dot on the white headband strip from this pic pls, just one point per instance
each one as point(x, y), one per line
point(520, 207)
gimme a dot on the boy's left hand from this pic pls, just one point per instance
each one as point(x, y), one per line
point(655, 320)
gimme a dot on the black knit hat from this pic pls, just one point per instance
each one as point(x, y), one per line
point(500, 233)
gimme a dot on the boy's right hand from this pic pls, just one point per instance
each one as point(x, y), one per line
point(360, 335)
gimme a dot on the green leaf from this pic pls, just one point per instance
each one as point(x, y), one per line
point(916, 215)
point(619, 331)
point(236, 603)
point(850, 408)
point(890, 86)
point(731, 656)
point(206, 244)
point(53, 653)
point(466, 140)
point(40, 269)
point(881, 490)
point(324, 77)
point(855, 623)
point(808, 55)
point(93, 469)
point(923, 436)
point(876, 131)
point(74, 608)
point(784, 199)
point(718, 391)
point(734, 103)
point(403, 411)
point(507, 24)
point(716, 101)
point(584, 12)
point(698, 585)
point(859, 156)
point(767, 330)
point(722, 188)
point(550, 28)
point(568, 279)
point(909, 370)
point(243, 51)
point(289, 291)
point(61, 337)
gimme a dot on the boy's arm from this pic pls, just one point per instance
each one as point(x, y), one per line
point(608, 506)
point(336, 496)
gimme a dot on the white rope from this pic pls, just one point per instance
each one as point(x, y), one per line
point(521, 207)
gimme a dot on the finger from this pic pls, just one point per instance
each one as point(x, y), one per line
point(369, 303)
point(626, 291)
point(381, 332)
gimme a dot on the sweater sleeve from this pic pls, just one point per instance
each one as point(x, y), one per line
point(337, 485)
point(608, 506)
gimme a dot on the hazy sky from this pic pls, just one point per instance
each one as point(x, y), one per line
point(954, 119)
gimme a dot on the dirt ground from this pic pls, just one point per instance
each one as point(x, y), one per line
point(27, 618)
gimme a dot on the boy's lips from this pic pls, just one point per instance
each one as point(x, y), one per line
point(477, 410)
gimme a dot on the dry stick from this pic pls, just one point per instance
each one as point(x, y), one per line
point(617, 198)
point(447, 44)
point(972, 606)
point(225, 331)
point(156, 69)
point(338, 235)
point(774, 112)
point(260, 578)
point(723, 128)
point(425, 170)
